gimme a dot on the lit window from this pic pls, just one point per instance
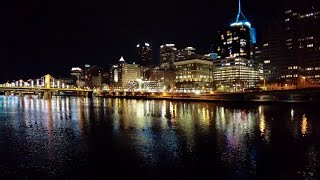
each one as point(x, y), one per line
point(288, 11)
point(310, 45)
point(265, 45)
point(267, 61)
point(287, 20)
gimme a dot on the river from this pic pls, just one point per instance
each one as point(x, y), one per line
point(83, 138)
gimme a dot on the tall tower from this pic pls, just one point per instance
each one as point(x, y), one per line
point(144, 54)
point(300, 39)
point(242, 20)
point(168, 54)
point(237, 40)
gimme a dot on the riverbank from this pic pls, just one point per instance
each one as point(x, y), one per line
point(297, 96)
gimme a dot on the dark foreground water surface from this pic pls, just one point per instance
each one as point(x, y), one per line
point(101, 138)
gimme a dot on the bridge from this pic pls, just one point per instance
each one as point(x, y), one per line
point(45, 87)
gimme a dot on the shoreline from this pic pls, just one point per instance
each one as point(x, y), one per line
point(222, 99)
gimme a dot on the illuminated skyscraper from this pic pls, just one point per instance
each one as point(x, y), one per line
point(123, 73)
point(168, 54)
point(242, 20)
point(301, 42)
point(291, 48)
point(144, 54)
point(237, 40)
point(186, 54)
point(236, 67)
point(76, 74)
point(234, 42)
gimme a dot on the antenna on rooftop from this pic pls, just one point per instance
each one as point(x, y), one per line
point(240, 13)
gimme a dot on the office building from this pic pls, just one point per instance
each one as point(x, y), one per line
point(154, 74)
point(76, 75)
point(144, 54)
point(94, 76)
point(124, 75)
point(168, 55)
point(271, 51)
point(301, 41)
point(193, 74)
point(236, 66)
point(186, 54)
point(234, 42)
point(236, 74)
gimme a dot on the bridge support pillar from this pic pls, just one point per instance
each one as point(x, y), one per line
point(7, 93)
point(47, 95)
point(20, 93)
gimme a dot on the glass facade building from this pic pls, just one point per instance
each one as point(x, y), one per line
point(234, 42)
point(168, 55)
point(144, 54)
point(301, 42)
point(236, 74)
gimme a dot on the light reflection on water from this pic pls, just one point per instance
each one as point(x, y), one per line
point(240, 140)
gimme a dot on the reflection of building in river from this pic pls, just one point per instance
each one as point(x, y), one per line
point(304, 125)
point(234, 128)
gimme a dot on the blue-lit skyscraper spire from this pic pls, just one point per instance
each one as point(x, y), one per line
point(240, 13)
point(241, 20)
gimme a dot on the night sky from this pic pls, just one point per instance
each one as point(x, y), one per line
point(51, 36)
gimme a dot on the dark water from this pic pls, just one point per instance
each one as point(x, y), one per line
point(101, 138)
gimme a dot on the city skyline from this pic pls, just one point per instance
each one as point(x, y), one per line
point(44, 37)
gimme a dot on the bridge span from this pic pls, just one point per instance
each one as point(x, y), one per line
point(45, 87)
